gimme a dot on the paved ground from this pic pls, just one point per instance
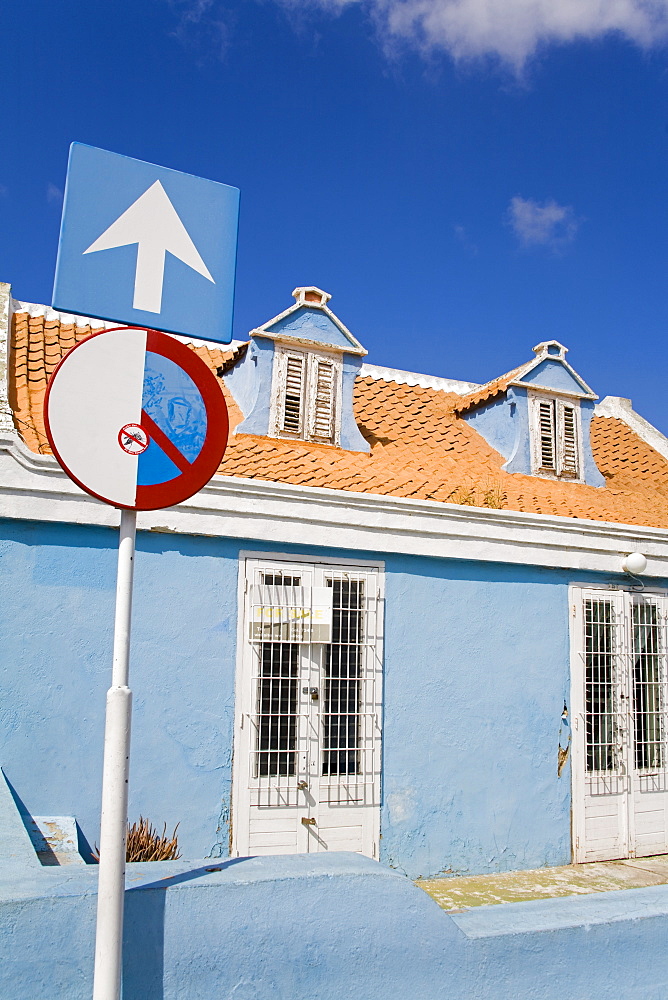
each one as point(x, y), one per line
point(544, 883)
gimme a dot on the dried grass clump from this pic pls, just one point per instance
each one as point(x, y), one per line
point(488, 494)
point(145, 844)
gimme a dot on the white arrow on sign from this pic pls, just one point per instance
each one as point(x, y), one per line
point(154, 225)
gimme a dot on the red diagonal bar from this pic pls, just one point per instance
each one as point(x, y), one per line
point(161, 439)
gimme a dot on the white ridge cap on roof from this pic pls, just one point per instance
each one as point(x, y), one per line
point(232, 346)
point(34, 309)
point(415, 378)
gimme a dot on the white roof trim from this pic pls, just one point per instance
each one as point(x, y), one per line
point(33, 487)
point(34, 309)
point(232, 346)
point(415, 378)
point(617, 406)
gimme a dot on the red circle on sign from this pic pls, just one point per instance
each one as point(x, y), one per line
point(133, 439)
point(192, 475)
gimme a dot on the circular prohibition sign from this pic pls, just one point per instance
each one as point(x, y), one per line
point(136, 418)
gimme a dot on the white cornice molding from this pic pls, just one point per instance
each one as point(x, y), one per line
point(33, 487)
point(303, 343)
point(622, 409)
point(543, 390)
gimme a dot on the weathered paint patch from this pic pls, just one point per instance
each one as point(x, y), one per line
point(546, 883)
point(55, 839)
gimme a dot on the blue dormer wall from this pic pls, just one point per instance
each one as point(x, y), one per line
point(250, 384)
point(504, 422)
point(495, 423)
point(251, 380)
point(351, 436)
point(553, 375)
point(310, 324)
point(519, 459)
point(592, 475)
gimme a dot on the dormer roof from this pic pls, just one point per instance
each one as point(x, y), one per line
point(310, 323)
point(548, 371)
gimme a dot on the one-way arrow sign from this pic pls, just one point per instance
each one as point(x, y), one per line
point(170, 239)
point(154, 225)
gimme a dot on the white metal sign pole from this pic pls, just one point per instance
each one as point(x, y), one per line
point(113, 827)
point(110, 471)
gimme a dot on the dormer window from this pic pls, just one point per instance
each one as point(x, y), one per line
point(297, 377)
point(306, 390)
point(555, 436)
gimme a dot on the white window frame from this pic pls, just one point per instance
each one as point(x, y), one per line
point(306, 430)
point(559, 403)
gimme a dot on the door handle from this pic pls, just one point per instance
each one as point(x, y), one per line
point(308, 820)
point(302, 786)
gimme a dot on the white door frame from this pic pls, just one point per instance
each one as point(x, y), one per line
point(248, 560)
point(622, 597)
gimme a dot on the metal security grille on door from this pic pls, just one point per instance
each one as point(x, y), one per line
point(622, 726)
point(308, 738)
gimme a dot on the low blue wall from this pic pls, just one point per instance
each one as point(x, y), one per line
point(325, 927)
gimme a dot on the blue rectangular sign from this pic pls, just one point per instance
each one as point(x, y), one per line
point(144, 245)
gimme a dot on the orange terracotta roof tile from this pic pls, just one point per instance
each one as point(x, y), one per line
point(420, 447)
point(486, 392)
point(38, 345)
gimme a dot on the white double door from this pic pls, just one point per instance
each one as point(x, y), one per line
point(308, 709)
point(620, 725)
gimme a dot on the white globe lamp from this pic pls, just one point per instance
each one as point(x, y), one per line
point(635, 563)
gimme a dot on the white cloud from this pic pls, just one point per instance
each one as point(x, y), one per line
point(546, 224)
point(512, 30)
point(54, 195)
point(203, 26)
point(462, 236)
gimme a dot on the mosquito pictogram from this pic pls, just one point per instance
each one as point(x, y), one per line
point(133, 439)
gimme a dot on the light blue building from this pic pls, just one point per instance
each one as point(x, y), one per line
point(399, 622)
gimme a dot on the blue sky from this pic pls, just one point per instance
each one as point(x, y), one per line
point(465, 178)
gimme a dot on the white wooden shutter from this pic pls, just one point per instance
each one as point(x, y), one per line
point(568, 444)
point(293, 402)
point(323, 401)
point(546, 435)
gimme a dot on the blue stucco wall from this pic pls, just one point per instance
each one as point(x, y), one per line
point(57, 587)
point(476, 676)
point(519, 459)
point(497, 424)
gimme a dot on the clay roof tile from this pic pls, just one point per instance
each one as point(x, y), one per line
point(420, 446)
